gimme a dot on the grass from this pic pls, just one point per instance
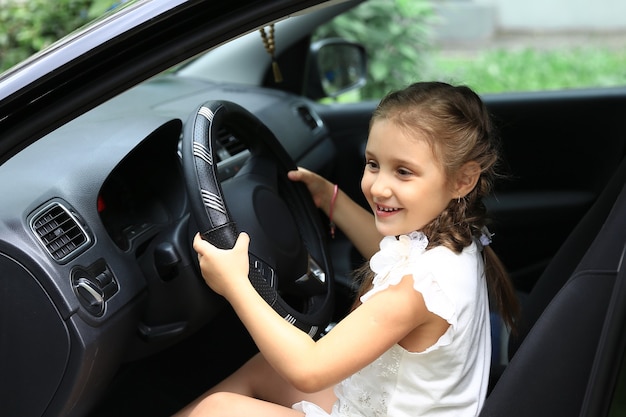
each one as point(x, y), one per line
point(500, 70)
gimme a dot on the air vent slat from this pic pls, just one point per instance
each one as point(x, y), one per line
point(230, 145)
point(59, 231)
point(308, 117)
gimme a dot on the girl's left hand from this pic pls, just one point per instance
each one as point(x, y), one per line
point(224, 270)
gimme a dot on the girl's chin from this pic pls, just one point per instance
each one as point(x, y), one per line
point(386, 230)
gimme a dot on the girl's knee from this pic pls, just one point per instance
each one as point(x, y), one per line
point(217, 404)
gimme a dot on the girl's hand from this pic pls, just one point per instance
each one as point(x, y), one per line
point(224, 270)
point(320, 188)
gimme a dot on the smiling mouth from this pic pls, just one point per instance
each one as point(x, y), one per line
point(387, 209)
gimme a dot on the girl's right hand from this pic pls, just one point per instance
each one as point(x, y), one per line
point(320, 188)
point(355, 221)
point(225, 271)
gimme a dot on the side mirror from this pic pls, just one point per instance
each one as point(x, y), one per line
point(335, 66)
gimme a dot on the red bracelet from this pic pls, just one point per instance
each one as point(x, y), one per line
point(330, 211)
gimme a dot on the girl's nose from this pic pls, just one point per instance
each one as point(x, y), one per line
point(380, 186)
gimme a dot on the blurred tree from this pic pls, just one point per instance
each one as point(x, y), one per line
point(27, 27)
point(396, 36)
point(394, 32)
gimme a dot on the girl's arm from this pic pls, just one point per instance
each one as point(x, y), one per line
point(355, 221)
point(367, 332)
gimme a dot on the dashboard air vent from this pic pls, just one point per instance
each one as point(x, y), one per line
point(308, 117)
point(59, 232)
point(229, 144)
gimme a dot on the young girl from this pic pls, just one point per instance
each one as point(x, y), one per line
point(417, 342)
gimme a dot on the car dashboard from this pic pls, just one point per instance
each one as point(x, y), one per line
point(95, 233)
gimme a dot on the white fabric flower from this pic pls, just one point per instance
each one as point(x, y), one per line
point(393, 260)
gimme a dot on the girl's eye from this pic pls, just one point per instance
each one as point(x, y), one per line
point(403, 172)
point(371, 164)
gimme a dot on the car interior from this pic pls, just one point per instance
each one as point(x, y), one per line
point(103, 308)
point(580, 284)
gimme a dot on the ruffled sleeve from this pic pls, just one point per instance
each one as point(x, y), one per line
point(309, 409)
point(401, 256)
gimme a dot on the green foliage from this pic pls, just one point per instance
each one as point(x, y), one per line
point(29, 26)
point(395, 35)
point(394, 32)
point(500, 70)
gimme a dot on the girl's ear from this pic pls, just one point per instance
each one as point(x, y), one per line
point(467, 178)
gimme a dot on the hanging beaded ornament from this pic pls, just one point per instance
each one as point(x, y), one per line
point(270, 47)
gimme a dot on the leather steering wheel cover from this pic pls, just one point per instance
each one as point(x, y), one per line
point(211, 213)
point(215, 222)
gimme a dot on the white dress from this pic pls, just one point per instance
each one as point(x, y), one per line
point(447, 379)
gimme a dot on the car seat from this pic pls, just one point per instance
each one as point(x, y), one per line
point(563, 315)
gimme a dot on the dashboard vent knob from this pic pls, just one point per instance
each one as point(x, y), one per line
point(93, 286)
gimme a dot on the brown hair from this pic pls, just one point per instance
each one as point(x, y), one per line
point(457, 126)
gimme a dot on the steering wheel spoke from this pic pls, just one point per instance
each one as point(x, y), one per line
point(260, 169)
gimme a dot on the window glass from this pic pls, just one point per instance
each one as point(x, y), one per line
point(410, 40)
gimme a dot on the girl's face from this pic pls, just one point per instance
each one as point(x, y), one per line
point(404, 184)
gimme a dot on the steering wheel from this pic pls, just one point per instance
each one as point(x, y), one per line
point(289, 259)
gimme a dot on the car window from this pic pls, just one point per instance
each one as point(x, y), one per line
point(27, 27)
point(432, 40)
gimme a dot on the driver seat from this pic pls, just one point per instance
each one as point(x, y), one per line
point(563, 317)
